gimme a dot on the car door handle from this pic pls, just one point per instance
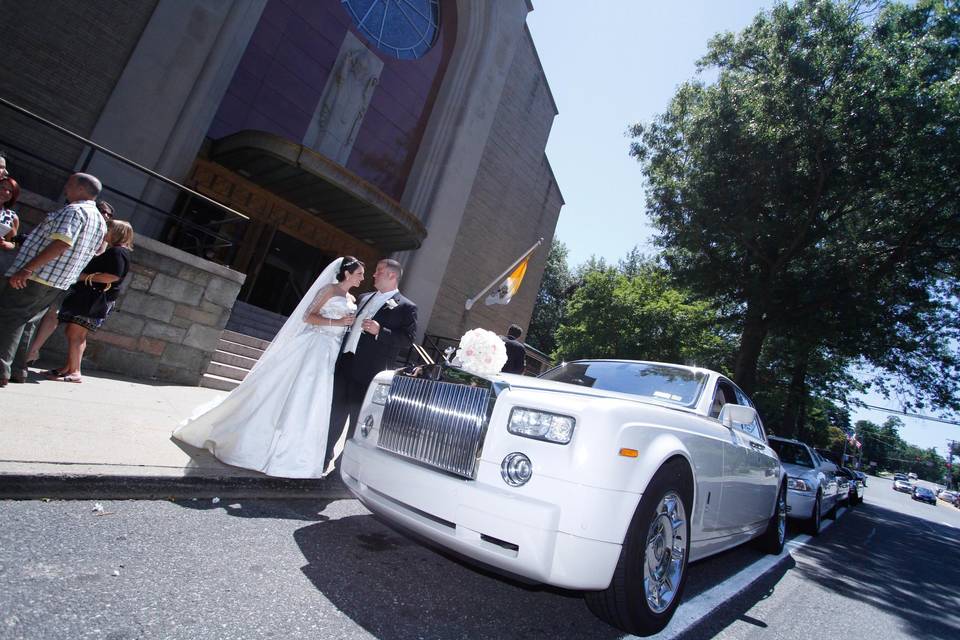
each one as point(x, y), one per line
point(758, 446)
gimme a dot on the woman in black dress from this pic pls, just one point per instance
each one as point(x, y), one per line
point(93, 297)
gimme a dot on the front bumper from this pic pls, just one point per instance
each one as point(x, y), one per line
point(507, 529)
point(800, 504)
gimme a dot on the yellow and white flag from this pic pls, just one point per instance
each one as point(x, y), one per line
point(510, 285)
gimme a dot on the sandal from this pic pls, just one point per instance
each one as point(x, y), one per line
point(53, 373)
point(72, 377)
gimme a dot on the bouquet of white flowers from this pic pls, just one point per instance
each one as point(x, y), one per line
point(481, 352)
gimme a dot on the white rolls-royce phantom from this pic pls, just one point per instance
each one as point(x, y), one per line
point(606, 476)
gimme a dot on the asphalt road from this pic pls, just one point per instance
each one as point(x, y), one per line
point(303, 569)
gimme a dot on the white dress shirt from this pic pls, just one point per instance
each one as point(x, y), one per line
point(368, 310)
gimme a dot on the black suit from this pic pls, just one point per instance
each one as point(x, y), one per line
point(516, 356)
point(355, 371)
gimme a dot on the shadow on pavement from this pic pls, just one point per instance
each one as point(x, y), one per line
point(396, 588)
point(306, 510)
point(910, 567)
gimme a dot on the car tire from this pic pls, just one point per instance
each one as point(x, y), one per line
point(775, 536)
point(813, 525)
point(630, 603)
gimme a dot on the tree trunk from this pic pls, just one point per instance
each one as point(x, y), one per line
point(793, 411)
point(751, 342)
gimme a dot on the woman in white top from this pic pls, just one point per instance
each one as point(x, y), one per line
point(276, 421)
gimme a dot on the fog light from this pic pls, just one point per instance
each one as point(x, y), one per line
point(366, 425)
point(516, 469)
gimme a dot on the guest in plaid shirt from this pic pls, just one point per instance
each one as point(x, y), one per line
point(50, 260)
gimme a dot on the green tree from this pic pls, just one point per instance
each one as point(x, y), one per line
point(811, 193)
point(638, 316)
point(548, 309)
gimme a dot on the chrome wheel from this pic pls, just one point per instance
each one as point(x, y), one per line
point(665, 553)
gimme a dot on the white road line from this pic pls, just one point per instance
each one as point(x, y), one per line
point(866, 541)
point(691, 612)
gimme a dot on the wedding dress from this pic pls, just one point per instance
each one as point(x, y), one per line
point(277, 420)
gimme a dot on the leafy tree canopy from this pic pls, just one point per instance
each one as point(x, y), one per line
point(548, 309)
point(811, 191)
point(634, 312)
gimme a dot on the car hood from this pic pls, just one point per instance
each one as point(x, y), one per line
point(796, 471)
point(538, 384)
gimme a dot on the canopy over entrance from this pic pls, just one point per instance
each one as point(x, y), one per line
point(316, 184)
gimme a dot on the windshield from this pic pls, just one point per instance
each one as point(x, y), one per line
point(792, 453)
point(924, 491)
point(660, 382)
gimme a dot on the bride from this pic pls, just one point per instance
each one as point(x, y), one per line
point(276, 421)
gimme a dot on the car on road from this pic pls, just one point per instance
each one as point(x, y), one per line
point(912, 476)
point(947, 496)
point(924, 495)
point(854, 486)
point(862, 476)
point(902, 484)
point(811, 482)
point(602, 476)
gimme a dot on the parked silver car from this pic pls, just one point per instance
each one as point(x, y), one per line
point(812, 489)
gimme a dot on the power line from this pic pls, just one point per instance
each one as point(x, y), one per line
point(913, 415)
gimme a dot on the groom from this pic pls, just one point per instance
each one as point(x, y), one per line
point(386, 322)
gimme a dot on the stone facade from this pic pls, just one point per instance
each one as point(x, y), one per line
point(514, 200)
point(167, 324)
point(62, 62)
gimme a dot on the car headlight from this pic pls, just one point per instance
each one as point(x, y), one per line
point(797, 484)
point(380, 394)
point(541, 425)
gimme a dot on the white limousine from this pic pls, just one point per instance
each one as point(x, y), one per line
point(606, 476)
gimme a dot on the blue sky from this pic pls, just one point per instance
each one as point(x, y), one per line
point(611, 64)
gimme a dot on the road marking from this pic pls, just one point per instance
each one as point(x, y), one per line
point(691, 612)
point(866, 541)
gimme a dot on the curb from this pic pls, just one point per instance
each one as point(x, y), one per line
point(114, 487)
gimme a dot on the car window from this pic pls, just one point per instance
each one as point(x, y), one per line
point(792, 453)
point(660, 382)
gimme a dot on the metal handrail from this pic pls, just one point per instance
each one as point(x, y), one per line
point(17, 108)
point(152, 209)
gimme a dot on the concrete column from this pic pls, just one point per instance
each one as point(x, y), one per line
point(446, 164)
point(165, 100)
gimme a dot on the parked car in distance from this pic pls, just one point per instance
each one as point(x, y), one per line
point(862, 477)
point(854, 486)
point(811, 482)
point(947, 496)
point(912, 476)
point(924, 495)
point(902, 484)
point(603, 476)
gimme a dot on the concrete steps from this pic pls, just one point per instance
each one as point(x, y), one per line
point(235, 355)
point(253, 321)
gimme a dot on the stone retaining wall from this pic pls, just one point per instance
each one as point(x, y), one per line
point(167, 324)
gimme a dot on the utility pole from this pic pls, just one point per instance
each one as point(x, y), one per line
point(954, 446)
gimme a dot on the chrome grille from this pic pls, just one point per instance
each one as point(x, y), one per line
point(438, 423)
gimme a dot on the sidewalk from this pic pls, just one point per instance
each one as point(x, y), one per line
point(109, 438)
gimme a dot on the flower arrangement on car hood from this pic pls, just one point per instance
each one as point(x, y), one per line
point(481, 352)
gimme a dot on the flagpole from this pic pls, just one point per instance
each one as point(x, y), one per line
point(472, 301)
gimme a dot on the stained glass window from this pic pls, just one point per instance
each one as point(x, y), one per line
point(403, 28)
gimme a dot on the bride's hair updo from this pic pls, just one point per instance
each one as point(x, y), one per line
point(349, 265)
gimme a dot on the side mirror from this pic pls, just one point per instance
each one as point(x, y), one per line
point(731, 413)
